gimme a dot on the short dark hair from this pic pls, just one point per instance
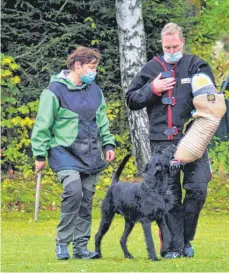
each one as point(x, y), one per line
point(84, 55)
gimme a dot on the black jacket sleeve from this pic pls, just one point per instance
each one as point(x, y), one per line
point(139, 93)
point(200, 65)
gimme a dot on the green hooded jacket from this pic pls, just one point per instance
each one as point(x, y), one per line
point(71, 127)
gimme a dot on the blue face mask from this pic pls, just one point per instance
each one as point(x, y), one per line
point(88, 78)
point(173, 58)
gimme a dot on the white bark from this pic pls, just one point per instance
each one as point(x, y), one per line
point(132, 50)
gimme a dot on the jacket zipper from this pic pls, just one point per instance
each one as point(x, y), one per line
point(89, 128)
point(170, 91)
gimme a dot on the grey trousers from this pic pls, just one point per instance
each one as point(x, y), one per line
point(76, 207)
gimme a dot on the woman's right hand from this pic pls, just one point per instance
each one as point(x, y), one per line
point(39, 165)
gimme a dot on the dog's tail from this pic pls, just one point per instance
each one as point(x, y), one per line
point(118, 172)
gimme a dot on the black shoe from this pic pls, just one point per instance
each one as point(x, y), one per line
point(172, 255)
point(86, 255)
point(188, 250)
point(62, 252)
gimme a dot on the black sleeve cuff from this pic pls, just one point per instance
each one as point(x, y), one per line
point(109, 147)
point(40, 158)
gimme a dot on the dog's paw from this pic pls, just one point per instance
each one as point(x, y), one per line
point(155, 259)
point(99, 256)
point(129, 256)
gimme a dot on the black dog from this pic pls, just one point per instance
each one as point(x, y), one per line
point(142, 202)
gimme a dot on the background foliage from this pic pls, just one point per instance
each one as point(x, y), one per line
point(40, 35)
point(17, 119)
point(37, 36)
point(212, 25)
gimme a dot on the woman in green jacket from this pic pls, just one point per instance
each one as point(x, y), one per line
point(72, 131)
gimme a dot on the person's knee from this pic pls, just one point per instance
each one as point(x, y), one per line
point(199, 193)
point(86, 205)
point(194, 200)
point(72, 197)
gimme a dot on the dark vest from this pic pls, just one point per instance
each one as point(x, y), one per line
point(169, 113)
point(85, 153)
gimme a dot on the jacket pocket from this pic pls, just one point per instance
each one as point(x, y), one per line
point(65, 127)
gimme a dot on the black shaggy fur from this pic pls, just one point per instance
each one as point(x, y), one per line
point(143, 202)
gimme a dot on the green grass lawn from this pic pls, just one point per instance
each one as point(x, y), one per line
point(28, 246)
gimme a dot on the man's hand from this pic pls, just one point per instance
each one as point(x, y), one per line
point(161, 85)
point(39, 165)
point(110, 155)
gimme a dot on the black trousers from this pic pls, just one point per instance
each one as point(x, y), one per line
point(182, 217)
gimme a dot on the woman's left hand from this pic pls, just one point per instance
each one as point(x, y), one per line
point(110, 155)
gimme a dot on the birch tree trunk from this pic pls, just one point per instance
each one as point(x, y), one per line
point(132, 50)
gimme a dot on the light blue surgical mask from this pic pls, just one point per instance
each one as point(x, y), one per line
point(88, 78)
point(173, 57)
